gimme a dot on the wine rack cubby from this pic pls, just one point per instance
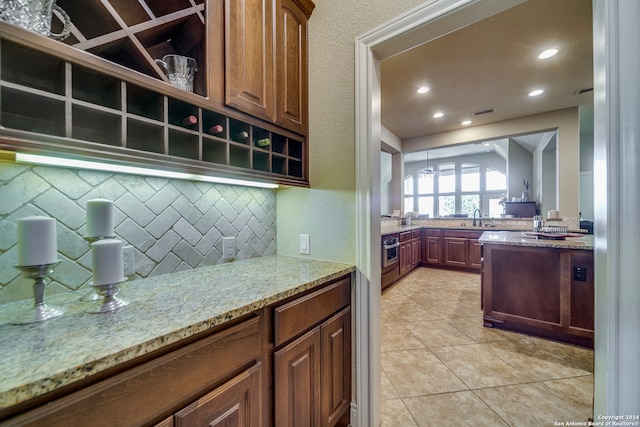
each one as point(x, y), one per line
point(52, 102)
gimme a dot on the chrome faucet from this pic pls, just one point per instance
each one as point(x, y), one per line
point(479, 217)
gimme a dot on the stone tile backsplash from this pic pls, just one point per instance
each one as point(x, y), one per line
point(173, 225)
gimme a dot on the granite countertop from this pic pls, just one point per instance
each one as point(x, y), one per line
point(40, 357)
point(393, 229)
point(516, 238)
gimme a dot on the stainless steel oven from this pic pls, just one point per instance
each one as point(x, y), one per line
point(390, 248)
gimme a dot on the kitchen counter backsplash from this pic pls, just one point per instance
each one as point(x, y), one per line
point(174, 225)
point(394, 225)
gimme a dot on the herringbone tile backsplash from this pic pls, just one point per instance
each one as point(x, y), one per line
point(173, 225)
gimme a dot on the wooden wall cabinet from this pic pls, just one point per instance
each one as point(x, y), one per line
point(536, 291)
point(312, 373)
point(249, 57)
point(133, 34)
point(72, 98)
point(254, 62)
point(291, 60)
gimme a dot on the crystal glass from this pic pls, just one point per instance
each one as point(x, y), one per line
point(34, 15)
point(180, 70)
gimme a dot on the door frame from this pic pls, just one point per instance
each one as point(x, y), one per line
point(617, 374)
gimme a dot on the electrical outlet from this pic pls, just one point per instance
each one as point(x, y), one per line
point(304, 244)
point(580, 274)
point(128, 261)
point(229, 248)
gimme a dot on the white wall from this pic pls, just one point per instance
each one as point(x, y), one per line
point(386, 171)
point(326, 211)
point(519, 168)
point(568, 143)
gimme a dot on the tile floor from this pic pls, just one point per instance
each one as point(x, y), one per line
point(441, 367)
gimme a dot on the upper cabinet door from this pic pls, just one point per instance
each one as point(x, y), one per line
point(249, 57)
point(291, 66)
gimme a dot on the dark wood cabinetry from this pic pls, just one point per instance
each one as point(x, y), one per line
point(100, 95)
point(432, 246)
point(266, 79)
point(140, 32)
point(282, 365)
point(312, 374)
point(151, 391)
point(292, 76)
point(538, 290)
point(405, 253)
point(249, 56)
point(462, 249)
point(236, 403)
point(520, 209)
point(297, 379)
point(416, 248)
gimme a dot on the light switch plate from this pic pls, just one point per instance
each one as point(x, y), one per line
point(229, 248)
point(304, 244)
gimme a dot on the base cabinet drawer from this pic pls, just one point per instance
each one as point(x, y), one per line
point(295, 317)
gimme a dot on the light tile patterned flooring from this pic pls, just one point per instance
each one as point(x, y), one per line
point(441, 367)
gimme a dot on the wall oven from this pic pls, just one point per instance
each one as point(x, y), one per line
point(390, 249)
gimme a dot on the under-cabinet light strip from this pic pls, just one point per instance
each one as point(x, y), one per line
point(108, 167)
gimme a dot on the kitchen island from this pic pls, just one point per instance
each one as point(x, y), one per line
point(541, 287)
point(212, 326)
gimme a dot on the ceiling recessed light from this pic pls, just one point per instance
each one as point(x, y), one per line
point(536, 92)
point(486, 144)
point(548, 53)
point(466, 123)
point(424, 89)
point(438, 115)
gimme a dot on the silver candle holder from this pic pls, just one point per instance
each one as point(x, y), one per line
point(110, 301)
point(40, 311)
point(92, 295)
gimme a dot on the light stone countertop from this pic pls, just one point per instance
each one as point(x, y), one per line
point(41, 357)
point(393, 225)
point(517, 238)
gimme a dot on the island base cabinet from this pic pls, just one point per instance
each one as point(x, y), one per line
point(539, 291)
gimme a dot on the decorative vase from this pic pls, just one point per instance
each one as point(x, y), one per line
point(35, 15)
point(525, 196)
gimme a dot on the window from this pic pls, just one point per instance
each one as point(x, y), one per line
point(457, 187)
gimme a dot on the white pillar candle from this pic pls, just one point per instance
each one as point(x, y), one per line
point(106, 259)
point(37, 240)
point(100, 218)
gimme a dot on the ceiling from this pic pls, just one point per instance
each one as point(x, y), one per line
point(492, 65)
